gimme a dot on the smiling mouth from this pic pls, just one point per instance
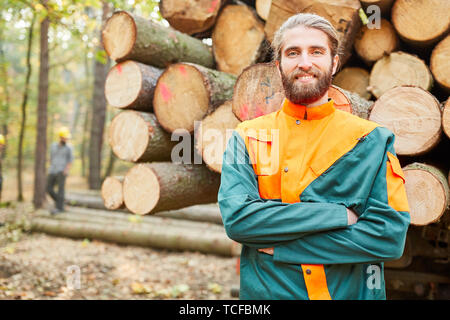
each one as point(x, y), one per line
point(305, 78)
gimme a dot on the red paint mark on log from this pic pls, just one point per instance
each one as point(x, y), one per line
point(119, 69)
point(213, 6)
point(244, 112)
point(165, 92)
point(183, 70)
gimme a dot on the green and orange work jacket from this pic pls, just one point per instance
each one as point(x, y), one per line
point(287, 179)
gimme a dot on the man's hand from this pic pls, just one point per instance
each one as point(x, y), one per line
point(352, 218)
point(267, 250)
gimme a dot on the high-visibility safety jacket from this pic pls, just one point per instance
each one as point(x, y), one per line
point(287, 179)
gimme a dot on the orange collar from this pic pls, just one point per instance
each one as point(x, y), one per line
point(313, 113)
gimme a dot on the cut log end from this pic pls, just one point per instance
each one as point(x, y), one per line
point(123, 84)
point(263, 8)
point(141, 189)
point(413, 115)
point(446, 119)
point(112, 193)
point(427, 192)
point(119, 35)
point(355, 80)
point(440, 63)
point(128, 136)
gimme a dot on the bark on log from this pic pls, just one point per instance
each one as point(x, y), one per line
point(440, 63)
point(238, 39)
point(384, 5)
point(190, 16)
point(398, 69)
point(353, 79)
point(186, 93)
point(213, 134)
point(413, 115)
point(138, 137)
point(202, 213)
point(446, 118)
point(427, 191)
point(263, 8)
point(342, 14)
point(112, 193)
point(129, 37)
point(131, 85)
point(157, 236)
point(259, 91)
point(421, 23)
point(153, 187)
point(372, 44)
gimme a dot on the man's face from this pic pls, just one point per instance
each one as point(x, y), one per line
point(62, 140)
point(306, 64)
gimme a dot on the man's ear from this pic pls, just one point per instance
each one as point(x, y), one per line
point(335, 63)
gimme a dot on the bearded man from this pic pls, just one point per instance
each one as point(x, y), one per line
point(315, 195)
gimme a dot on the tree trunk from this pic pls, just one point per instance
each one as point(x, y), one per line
point(384, 5)
point(353, 79)
point(205, 213)
point(157, 236)
point(427, 191)
point(342, 14)
point(259, 91)
point(440, 63)
point(421, 23)
point(98, 117)
point(23, 119)
point(41, 132)
point(190, 16)
point(373, 44)
point(131, 85)
point(238, 39)
point(129, 37)
point(398, 69)
point(149, 188)
point(213, 134)
point(186, 93)
point(263, 8)
point(446, 118)
point(112, 193)
point(413, 115)
point(137, 137)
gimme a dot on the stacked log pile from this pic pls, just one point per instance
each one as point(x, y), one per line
point(181, 97)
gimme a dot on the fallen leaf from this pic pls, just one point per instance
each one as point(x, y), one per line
point(49, 294)
point(215, 288)
point(9, 250)
point(139, 288)
point(85, 243)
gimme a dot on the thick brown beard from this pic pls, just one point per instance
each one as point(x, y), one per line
point(306, 93)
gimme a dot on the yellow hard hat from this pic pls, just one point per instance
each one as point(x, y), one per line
point(2, 139)
point(63, 132)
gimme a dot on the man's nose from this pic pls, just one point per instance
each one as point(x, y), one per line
point(304, 62)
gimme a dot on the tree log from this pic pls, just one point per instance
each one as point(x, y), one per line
point(446, 118)
point(238, 39)
point(440, 63)
point(213, 134)
point(263, 8)
point(427, 191)
point(203, 213)
point(156, 236)
point(186, 93)
point(190, 16)
point(259, 91)
point(129, 37)
point(384, 5)
point(413, 115)
point(421, 23)
point(112, 193)
point(353, 79)
point(397, 69)
point(153, 187)
point(342, 14)
point(137, 137)
point(131, 85)
point(372, 44)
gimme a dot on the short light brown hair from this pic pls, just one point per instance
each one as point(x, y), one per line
point(307, 20)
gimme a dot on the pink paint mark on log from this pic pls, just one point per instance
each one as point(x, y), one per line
point(244, 112)
point(165, 92)
point(183, 70)
point(119, 69)
point(213, 6)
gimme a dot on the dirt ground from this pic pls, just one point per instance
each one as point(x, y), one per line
point(39, 266)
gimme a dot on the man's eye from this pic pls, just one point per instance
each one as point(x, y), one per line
point(317, 52)
point(292, 53)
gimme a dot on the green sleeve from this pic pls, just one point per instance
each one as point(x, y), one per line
point(378, 235)
point(262, 223)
